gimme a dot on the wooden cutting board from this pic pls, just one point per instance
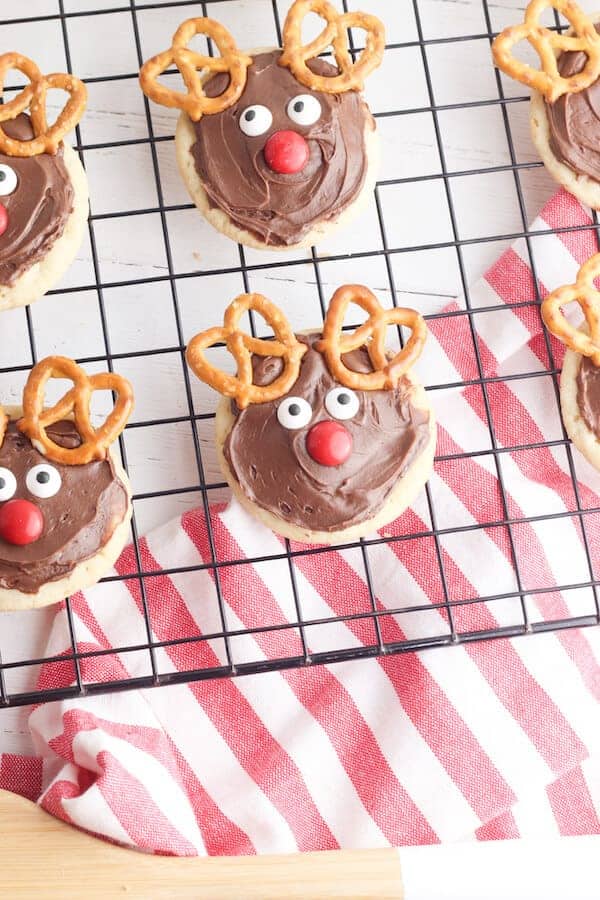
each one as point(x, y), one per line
point(42, 858)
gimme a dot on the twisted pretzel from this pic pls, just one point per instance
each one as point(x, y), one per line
point(585, 294)
point(46, 138)
point(76, 402)
point(548, 45)
point(242, 346)
point(195, 103)
point(335, 34)
point(371, 334)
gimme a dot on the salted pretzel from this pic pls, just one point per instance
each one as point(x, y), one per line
point(46, 138)
point(335, 34)
point(371, 334)
point(193, 66)
point(76, 403)
point(549, 44)
point(587, 296)
point(241, 346)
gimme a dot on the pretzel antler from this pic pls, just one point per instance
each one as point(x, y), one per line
point(371, 334)
point(548, 44)
point(584, 293)
point(76, 402)
point(33, 97)
point(335, 34)
point(241, 346)
point(191, 65)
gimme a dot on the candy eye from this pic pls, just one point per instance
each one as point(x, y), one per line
point(8, 484)
point(8, 180)
point(255, 120)
point(342, 403)
point(304, 109)
point(43, 481)
point(294, 413)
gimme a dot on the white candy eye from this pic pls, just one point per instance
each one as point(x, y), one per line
point(304, 109)
point(43, 481)
point(8, 180)
point(255, 120)
point(8, 484)
point(294, 413)
point(342, 403)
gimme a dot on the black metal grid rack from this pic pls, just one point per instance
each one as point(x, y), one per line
point(373, 613)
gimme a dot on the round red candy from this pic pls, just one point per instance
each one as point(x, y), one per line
point(3, 219)
point(21, 522)
point(329, 443)
point(286, 152)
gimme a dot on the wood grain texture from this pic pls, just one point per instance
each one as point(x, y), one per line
point(42, 857)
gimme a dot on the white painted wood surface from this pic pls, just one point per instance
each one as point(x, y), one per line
point(140, 317)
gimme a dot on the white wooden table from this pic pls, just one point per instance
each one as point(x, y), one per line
point(140, 317)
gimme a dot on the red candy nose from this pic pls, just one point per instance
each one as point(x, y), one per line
point(3, 219)
point(329, 443)
point(21, 522)
point(286, 152)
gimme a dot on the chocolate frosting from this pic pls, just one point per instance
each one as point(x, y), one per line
point(281, 209)
point(575, 121)
point(37, 209)
point(274, 469)
point(588, 394)
point(78, 521)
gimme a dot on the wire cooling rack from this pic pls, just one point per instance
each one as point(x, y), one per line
point(79, 24)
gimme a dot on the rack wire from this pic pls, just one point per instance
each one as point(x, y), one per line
point(170, 282)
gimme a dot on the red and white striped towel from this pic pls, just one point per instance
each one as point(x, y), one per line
point(477, 741)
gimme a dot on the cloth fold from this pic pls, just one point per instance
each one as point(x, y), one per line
point(474, 741)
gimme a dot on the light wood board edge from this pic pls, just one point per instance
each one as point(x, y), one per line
point(42, 857)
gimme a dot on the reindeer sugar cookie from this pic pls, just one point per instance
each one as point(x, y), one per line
point(580, 377)
point(65, 501)
point(324, 436)
point(565, 99)
point(276, 147)
point(43, 187)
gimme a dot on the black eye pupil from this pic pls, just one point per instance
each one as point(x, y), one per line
point(2, 483)
point(298, 106)
point(2, 175)
point(343, 399)
point(249, 115)
point(42, 477)
point(294, 409)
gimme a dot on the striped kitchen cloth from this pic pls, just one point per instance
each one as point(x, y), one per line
point(475, 741)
